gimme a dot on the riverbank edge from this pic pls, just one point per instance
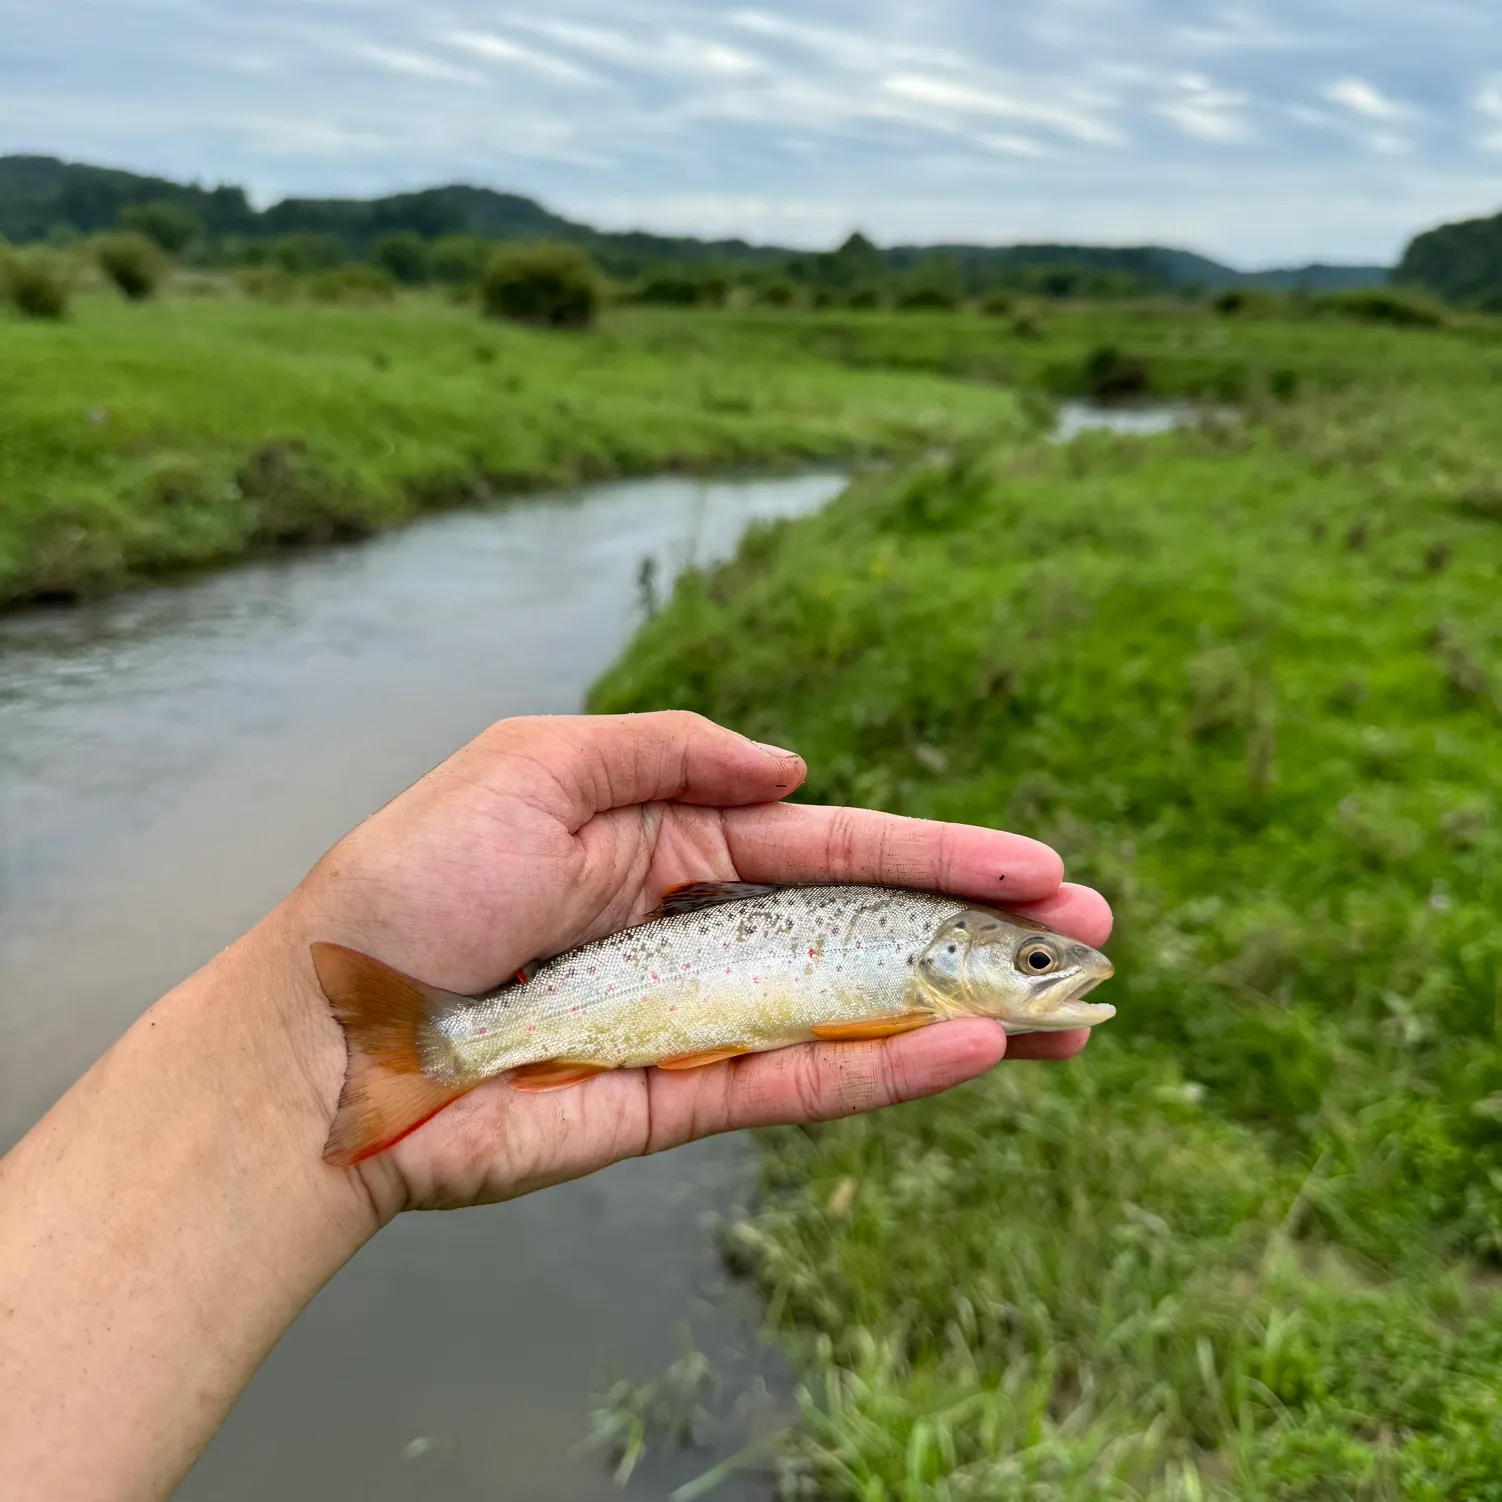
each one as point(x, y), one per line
point(71, 569)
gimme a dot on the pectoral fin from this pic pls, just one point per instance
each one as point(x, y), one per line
point(871, 1028)
point(553, 1074)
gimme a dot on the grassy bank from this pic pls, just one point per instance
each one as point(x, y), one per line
point(1250, 682)
point(139, 439)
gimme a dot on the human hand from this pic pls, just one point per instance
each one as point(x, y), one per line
point(546, 833)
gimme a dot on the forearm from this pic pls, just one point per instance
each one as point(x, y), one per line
point(163, 1225)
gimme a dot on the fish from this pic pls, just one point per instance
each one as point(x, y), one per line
point(720, 970)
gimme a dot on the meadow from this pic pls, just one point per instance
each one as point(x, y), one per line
point(187, 431)
point(1248, 678)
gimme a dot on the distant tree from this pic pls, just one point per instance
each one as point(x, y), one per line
point(404, 255)
point(857, 262)
point(555, 286)
point(170, 226)
point(936, 282)
point(132, 262)
point(304, 252)
point(458, 260)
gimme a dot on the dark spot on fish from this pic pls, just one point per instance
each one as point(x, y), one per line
point(952, 948)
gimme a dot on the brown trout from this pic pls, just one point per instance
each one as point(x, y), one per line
point(722, 969)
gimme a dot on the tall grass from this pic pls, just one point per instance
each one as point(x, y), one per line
point(1249, 680)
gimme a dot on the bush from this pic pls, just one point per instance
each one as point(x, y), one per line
point(34, 285)
point(1403, 310)
point(267, 283)
point(1245, 302)
point(457, 260)
point(928, 299)
point(554, 286)
point(780, 293)
point(996, 305)
point(865, 298)
point(132, 262)
point(306, 252)
point(169, 226)
point(1109, 375)
point(404, 256)
point(356, 283)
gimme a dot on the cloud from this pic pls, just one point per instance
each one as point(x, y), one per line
point(497, 49)
point(1362, 98)
point(1206, 112)
point(1252, 129)
point(414, 64)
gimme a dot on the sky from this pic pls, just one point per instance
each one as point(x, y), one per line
point(1267, 132)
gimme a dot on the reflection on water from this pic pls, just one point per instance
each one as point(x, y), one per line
point(170, 763)
point(1145, 421)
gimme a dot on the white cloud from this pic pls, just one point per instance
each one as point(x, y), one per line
point(1006, 145)
point(413, 64)
point(968, 98)
point(497, 49)
point(671, 51)
point(1206, 112)
point(1365, 99)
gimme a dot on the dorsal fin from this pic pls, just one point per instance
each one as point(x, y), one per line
point(695, 896)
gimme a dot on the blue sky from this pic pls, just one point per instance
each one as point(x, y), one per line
point(1263, 132)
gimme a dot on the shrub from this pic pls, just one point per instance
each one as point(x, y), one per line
point(1109, 375)
point(34, 285)
point(356, 283)
point(555, 286)
point(1404, 310)
point(1245, 302)
point(457, 260)
point(928, 299)
point(132, 262)
point(268, 283)
point(865, 298)
point(780, 293)
point(169, 226)
point(404, 256)
point(996, 305)
point(306, 252)
point(684, 289)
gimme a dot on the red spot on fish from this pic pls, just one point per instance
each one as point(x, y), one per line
point(610, 987)
point(654, 975)
point(674, 1007)
point(531, 1027)
point(813, 954)
point(573, 1011)
point(756, 980)
point(688, 967)
point(479, 1032)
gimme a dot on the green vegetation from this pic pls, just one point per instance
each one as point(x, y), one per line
point(132, 262)
point(193, 430)
point(552, 286)
point(1461, 263)
point(33, 284)
point(1248, 678)
point(42, 197)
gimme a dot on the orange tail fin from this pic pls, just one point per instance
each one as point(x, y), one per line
point(386, 1094)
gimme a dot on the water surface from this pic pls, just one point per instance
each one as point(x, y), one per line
point(171, 762)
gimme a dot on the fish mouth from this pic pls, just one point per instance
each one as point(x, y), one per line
point(1070, 1010)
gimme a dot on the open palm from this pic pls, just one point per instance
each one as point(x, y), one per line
point(546, 833)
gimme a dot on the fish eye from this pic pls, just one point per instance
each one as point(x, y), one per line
point(1037, 958)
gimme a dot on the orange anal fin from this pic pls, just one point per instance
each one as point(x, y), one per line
point(553, 1074)
point(870, 1029)
point(702, 1060)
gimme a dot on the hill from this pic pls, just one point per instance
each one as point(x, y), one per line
point(1460, 262)
point(41, 195)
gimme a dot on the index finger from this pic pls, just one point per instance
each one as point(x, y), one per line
point(796, 843)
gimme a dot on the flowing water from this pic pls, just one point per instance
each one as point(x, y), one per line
point(171, 762)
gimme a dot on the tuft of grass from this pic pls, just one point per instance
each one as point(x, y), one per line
point(1247, 1246)
point(35, 285)
point(132, 262)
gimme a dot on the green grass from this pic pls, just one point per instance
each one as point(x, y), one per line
point(1249, 680)
point(186, 432)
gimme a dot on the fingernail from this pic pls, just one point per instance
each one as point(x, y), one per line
point(775, 750)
